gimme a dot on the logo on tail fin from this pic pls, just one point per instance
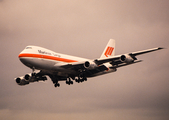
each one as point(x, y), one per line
point(109, 51)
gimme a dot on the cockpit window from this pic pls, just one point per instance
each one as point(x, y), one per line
point(28, 48)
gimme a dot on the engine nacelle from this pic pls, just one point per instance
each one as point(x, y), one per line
point(90, 65)
point(24, 80)
point(21, 81)
point(127, 58)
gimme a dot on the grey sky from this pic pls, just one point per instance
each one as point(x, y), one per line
point(83, 28)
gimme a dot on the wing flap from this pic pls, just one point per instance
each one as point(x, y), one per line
point(124, 64)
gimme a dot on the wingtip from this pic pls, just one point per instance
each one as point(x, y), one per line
point(160, 48)
point(139, 61)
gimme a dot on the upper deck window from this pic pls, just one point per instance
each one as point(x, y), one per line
point(28, 48)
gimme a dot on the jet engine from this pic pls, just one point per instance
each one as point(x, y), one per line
point(24, 80)
point(127, 58)
point(27, 77)
point(90, 65)
point(21, 81)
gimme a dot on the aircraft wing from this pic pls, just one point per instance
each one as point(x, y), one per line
point(74, 65)
point(146, 51)
point(117, 59)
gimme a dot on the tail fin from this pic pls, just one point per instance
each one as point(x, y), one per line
point(109, 50)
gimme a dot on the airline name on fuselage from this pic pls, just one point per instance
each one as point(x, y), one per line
point(48, 53)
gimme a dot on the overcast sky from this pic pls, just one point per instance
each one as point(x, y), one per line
point(83, 28)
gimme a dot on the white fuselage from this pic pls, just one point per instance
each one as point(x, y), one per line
point(43, 59)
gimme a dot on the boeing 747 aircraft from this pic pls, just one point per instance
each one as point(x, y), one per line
point(61, 67)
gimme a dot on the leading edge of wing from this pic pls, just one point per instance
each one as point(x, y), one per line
point(105, 60)
point(117, 57)
point(146, 51)
point(74, 65)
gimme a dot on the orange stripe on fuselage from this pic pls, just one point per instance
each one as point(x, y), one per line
point(46, 57)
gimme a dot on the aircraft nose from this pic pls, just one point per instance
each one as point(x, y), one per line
point(21, 57)
point(26, 61)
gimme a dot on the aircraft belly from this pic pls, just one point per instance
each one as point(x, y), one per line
point(37, 63)
point(47, 65)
